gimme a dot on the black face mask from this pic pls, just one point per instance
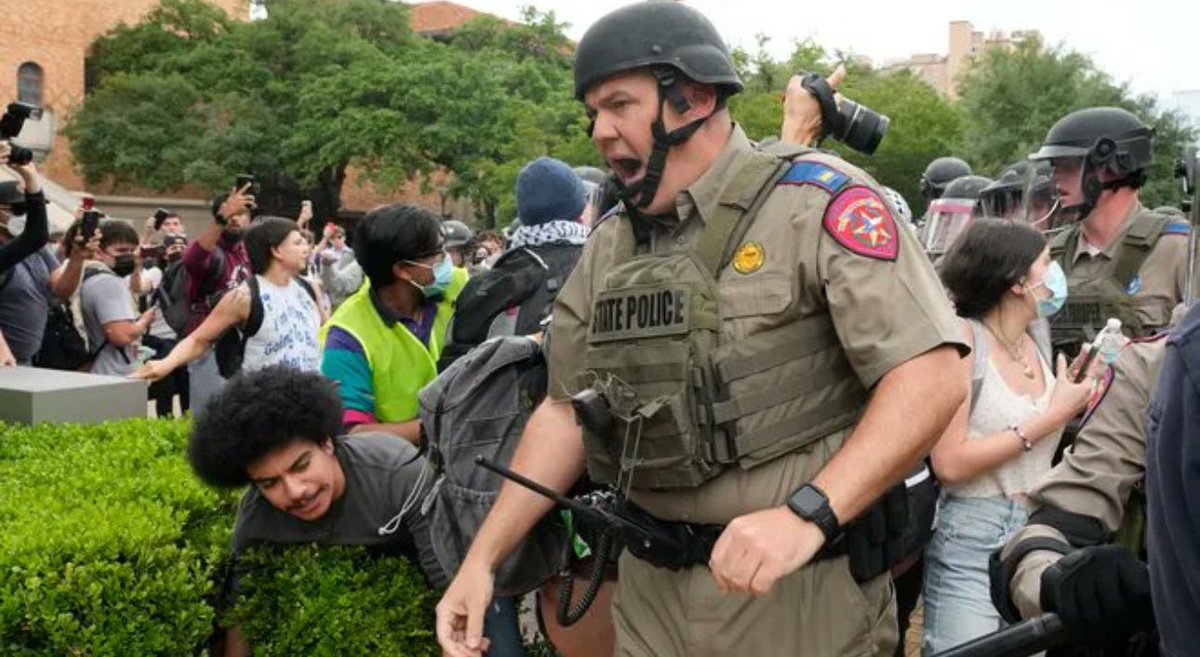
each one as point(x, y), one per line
point(231, 237)
point(122, 265)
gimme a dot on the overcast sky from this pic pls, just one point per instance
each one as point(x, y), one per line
point(1153, 44)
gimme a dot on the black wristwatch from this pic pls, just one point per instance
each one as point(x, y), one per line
point(810, 503)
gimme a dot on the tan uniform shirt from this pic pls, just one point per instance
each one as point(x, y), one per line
point(885, 312)
point(1160, 283)
point(1099, 472)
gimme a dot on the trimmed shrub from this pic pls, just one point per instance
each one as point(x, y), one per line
point(334, 601)
point(110, 546)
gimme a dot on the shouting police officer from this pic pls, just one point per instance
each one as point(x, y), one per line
point(768, 342)
point(1121, 259)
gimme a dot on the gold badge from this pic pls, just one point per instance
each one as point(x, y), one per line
point(749, 258)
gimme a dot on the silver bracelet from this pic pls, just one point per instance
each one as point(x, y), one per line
point(1021, 434)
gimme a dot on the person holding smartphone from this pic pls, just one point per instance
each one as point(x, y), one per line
point(216, 261)
point(149, 282)
point(31, 277)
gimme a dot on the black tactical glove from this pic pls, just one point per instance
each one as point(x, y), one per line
point(1101, 593)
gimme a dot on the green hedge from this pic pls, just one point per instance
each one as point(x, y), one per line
point(110, 546)
point(335, 601)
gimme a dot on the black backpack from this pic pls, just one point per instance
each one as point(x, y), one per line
point(64, 342)
point(479, 407)
point(231, 347)
point(511, 298)
point(172, 294)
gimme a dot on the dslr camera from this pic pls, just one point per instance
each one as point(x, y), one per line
point(10, 126)
point(855, 125)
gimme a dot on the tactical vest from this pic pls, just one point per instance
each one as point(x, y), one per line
point(1090, 302)
point(684, 403)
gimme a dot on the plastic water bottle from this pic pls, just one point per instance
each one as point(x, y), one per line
point(1109, 342)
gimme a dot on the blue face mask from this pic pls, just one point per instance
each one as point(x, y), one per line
point(1056, 283)
point(443, 272)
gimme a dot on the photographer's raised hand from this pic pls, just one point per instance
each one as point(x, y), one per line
point(802, 111)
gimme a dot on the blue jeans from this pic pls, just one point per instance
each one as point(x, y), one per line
point(502, 626)
point(958, 601)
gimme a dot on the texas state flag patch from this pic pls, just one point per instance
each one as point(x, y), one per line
point(860, 221)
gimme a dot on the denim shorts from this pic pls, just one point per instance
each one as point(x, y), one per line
point(958, 601)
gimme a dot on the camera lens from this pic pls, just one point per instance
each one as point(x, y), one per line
point(860, 127)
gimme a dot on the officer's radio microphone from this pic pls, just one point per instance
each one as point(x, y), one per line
point(1028, 637)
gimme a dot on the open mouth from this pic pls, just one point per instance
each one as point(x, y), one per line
point(307, 506)
point(629, 170)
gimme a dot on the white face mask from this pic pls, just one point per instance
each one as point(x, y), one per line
point(16, 225)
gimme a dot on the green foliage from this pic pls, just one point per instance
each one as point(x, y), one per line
point(188, 96)
point(108, 544)
point(334, 601)
point(924, 125)
point(1011, 99)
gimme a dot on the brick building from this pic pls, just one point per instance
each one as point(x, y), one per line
point(43, 62)
point(45, 46)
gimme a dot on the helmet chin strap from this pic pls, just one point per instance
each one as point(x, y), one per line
point(641, 194)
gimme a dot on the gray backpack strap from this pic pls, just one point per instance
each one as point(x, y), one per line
point(979, 352)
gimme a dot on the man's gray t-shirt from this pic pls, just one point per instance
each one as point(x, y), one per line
point(25, 303)
point(382, 473)
point(105, 298)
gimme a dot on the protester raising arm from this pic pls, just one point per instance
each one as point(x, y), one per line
point(233, 310)
point(36, 230)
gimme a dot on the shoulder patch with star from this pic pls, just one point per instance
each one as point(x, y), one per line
point(862, 223)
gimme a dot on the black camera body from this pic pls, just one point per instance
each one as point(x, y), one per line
point(851, 123)
point(10, 126)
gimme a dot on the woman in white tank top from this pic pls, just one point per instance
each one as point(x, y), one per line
point(290, 316)
point(1002, 281)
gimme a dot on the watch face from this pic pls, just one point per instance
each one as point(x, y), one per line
point(807, 500)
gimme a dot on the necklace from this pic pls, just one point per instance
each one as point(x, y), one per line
point(1014, 351)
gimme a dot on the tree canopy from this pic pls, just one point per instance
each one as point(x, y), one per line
point(189, 96)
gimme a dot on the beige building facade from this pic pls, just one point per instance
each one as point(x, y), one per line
point(964, 44)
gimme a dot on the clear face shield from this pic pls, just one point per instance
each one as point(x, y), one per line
point(945, 220)
point(591, 210)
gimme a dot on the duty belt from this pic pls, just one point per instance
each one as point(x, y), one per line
point(874, 542)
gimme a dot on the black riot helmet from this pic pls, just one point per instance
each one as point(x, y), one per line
point(652, 34)
point(457, 234)
point(939, 173)
point(1103, 138)
point(966, 187)
point(1023, 191)
point(676, 44)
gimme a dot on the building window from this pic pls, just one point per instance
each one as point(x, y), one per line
point(29, 84)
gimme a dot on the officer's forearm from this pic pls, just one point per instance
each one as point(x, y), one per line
point(550, 453)
point(911, 407)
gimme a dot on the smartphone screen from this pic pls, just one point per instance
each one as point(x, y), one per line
point(91, 221)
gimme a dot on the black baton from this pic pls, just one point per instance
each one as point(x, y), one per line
point(1020, 640)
